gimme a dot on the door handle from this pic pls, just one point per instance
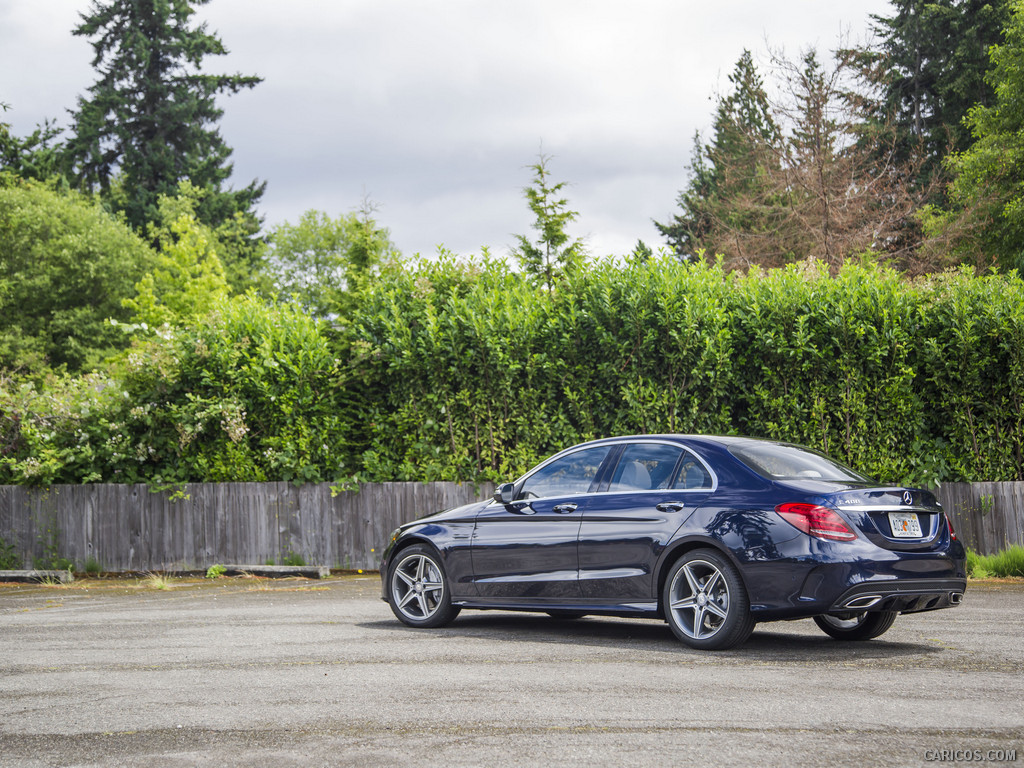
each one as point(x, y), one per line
point(670, 506)
point(564, 509)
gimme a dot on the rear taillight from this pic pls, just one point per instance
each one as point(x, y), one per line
point(820, 522)
point(952, 533)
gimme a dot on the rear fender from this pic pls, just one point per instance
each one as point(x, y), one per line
point(680, 547)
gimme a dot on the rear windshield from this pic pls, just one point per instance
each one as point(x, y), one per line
point(779, 461)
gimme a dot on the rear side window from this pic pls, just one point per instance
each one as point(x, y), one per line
point(654, 467)
point(568, 475)
point(781, 461)
point(692, 475)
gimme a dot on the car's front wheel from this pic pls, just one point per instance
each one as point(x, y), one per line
point(418, 591)
point(705, 602)
point(856, 626)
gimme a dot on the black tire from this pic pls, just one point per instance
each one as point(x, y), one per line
point(856, 626)
point(566, 615)
point(418, 590)
point(705, 602)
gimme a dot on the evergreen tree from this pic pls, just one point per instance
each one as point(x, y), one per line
point(150, 119)
point(840, 186)
point(552, 256)
point(929, 64)
point(730, 167)
point(795, 176)
point(817, 152)
point(985, 223)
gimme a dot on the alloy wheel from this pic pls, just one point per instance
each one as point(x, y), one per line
point(417, 587)
point(699, 599)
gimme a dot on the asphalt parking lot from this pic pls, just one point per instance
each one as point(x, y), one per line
point(243, 672)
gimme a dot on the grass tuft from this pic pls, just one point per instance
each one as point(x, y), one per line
point(53, 583)
point(1009, 562)
point(260, 585)
point(155, 581)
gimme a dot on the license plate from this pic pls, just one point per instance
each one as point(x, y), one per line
point(905, 525)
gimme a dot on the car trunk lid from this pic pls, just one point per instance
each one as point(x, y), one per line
point(895, 518)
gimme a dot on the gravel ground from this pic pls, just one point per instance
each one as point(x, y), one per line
point(241, 672)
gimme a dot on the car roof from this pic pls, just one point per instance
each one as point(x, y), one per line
point(720, 440)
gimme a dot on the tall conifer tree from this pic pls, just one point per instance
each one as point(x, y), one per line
point(552, 256)
point(729, 167)
point(149, 121)
point(929, 62)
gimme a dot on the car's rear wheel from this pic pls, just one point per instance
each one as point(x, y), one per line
point(705, 602)
point(418, 591)
point(856, 626)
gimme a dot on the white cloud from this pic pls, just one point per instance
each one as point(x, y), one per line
point(436, 108)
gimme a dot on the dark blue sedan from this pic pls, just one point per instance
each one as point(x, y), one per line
point(711, 534)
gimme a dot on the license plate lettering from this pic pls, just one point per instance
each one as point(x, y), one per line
point(905, 525)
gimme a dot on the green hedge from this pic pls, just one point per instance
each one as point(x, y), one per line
point(478, 373)
point(459, 371)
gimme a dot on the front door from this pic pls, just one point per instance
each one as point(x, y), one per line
point(527, 549)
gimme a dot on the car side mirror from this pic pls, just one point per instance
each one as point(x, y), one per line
point(505, 493)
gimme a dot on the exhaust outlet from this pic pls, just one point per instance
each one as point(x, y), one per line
point(863, 601)
point(955, 598)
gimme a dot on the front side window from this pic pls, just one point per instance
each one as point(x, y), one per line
point(570, 474)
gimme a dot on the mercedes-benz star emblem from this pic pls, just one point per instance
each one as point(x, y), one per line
point(908, 498)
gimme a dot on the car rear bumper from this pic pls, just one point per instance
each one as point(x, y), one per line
point(904, 596)
point(904, 584)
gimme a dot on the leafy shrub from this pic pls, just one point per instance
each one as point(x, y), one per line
point(65, 265)
point(251, 393)
point(53, 563)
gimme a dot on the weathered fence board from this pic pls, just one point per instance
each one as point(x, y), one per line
point(127, 527)
point(987, 517)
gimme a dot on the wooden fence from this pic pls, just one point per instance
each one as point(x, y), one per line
point(130, 528)
point(987, 517)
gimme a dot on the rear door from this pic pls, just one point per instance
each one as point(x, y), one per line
point(653, 488)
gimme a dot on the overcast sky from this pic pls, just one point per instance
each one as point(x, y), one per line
point(434, 109)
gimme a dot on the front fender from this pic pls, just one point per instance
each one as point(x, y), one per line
point(451, 539)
